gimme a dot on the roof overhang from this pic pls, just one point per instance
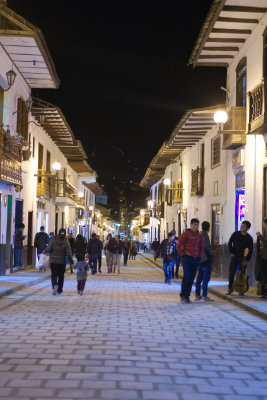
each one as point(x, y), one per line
point(192, 127)
point(225, 30)
point(94, 187)
point(26, 47)
point(57, 127)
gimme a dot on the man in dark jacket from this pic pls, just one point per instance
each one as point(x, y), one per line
point(94, 249)
point(18, 246)
point(155, 246)
point(205, 265)
point(41, 241)
point(59, 249)
point(167, 250)
point(238, 242)
point(190, 247)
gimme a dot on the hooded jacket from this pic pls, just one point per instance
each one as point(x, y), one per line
point(59, 248)
point(191, 244)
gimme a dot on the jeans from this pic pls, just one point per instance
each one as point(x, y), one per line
point(125, 257)
point(109, 259)
point(18, 257)
point(190, 266)
point(235, 261)
point(57, 276)
point(167, 268)
point(81, 285)
point(203, 276)
point(93, 263)
point(99, 262)
point(116, 262)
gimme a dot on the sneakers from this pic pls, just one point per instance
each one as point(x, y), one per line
point(197, 297)
point(187, 300)
point(55, 289)
point(206, 298)
point(169, 282)
point(230, 291)
point(166, 280)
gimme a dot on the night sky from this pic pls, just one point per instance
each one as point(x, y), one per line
point(124, 77)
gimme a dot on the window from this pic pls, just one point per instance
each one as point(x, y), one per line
point(22, 119)
point(241, 83)
point(265, 53)
point(48, 161)
point(40, 156)
point(215, 151)
point(33, 146)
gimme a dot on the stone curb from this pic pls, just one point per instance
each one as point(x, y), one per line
point(229, 299)
point(15, 289)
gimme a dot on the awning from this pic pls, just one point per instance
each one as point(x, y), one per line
point(225, 30)
point(26, 46)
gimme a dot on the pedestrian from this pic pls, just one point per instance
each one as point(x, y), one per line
point(80, 247)
point(262, 273)
point(133, 250)
point(94, 249)
point(117, 247)
point(238, 242)
point(108, 251)
point(167, 250)
point(138, 245)
point(18, 246)
point(81, 265)
point(72, 243)
point(59, 249)
point(154, 247)
point(177, 258)
point(205, 265)
point(41, 241)
point(126, 248)
point(190, 247)
point(145, 247)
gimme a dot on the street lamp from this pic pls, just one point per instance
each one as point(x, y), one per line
point(220, 117)
point(142, 212)
point(80, 194)
point(150, 203)
point(11, 76)
point(167, 182)
point(56, 166)
point(91, 208)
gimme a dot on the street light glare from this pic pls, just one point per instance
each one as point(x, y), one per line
point(56, 166)
point(220, 117)
point(167, 181)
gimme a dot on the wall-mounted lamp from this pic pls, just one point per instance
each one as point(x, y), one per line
point(11, 76)
point(167, 182)
point(56, 166)
point(220, 117)
point(150, 203)
point(91, 208)
point(80, 194)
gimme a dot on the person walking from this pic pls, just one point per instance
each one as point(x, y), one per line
point(126, 248)
point(167, 250)
point(108, 250)
point(72, 244)
point(262, 272)
point(190, 247)
point(177, 258)
point(18, 246)
point(205, 265)
point(80, 247)
point(99, 259)
point(133, 250)
point(238, 242)
point(154, 247)
point(41, 241)
point(117, 247)
point(94, 249)
point(138, 245)
point(59, 249)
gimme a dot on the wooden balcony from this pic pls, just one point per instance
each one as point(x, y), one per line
point(65, 189)
point(257, 109)
point(234, 129)
point(46, 185)
point(177, 194)
point(160, 209)
point(10, 158)
point(197, 182)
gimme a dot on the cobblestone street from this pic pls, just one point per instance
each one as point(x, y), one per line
point(128, 337)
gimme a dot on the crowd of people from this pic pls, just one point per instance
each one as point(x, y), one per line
point(59, 249)
point(193, 250)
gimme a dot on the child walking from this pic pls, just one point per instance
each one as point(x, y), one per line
point(82, 268)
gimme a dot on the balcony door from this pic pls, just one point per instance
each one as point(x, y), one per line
point(241, 83)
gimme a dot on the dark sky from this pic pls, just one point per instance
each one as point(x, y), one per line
point(124, 77)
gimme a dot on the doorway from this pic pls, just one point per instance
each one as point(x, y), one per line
point(29, 238)
point(8, 230)
point(18, 213)
point(215, 227)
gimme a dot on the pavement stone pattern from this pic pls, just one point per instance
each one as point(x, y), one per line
point(128, 337)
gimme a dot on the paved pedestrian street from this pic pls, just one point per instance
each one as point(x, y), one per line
point(128, 337)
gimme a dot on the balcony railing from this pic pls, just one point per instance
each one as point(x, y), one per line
point(197, 182)
point(177, 196)
point(10, 158)
point(257, 109)
point(65, 189)
point(234, 129)
point(46, 185)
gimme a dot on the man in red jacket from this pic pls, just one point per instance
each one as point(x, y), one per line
point(190, 247)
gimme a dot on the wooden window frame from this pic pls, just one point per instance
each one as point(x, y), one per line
point(215, 163)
